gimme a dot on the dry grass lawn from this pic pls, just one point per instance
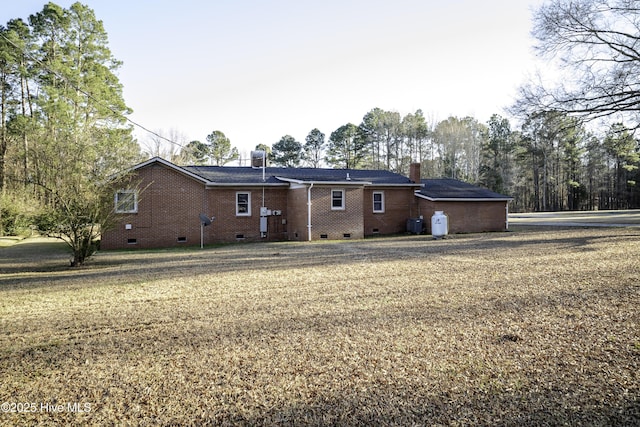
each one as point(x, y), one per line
point(521, 328)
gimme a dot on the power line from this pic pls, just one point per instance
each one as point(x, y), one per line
point(87, 94)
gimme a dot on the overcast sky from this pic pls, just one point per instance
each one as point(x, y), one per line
point(258, 70)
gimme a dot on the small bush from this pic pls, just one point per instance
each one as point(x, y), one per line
point(45, 221)
point(16, 215)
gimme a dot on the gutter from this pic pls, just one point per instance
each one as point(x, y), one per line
point(213, 184)
point(287, 181)
point(302, 182)
point(465, 199)
point(506, 221)
point(397, 185)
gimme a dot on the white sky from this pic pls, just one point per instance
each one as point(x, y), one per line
point(258, 70)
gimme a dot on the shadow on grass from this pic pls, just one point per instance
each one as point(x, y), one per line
point(477, 408)
point(555, 392)
point(45, 262)
point(35, 255)
point(557, 395)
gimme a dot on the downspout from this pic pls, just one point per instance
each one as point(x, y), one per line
point(309, 211)
point(506, 220)
point(205, 210)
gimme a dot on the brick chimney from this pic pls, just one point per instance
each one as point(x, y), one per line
point(414, 172)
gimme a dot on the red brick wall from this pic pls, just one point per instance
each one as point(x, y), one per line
point(168, 210)
point(336, 224)
point(297, 214)
point(467, 217)
point(400, 205)
point(228, 227)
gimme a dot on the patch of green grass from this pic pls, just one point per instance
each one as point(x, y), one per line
point(6, 241)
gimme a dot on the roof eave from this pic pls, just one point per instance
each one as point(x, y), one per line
point(169, 165)
point(315, 182)
point(464, 199)
point(213, 184)
point(408, 185)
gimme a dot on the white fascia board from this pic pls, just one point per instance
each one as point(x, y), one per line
point(296, 186)
point(397, 185)
point(290, 180)
point(303, 182)
point(169, 165)
point(213, 184)
point(464, 199)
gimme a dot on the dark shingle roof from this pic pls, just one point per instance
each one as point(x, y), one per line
point(248, 175)
point(448, 189)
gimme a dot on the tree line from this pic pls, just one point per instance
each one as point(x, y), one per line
point(550, 162)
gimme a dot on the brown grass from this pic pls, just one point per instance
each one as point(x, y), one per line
point(528, 328)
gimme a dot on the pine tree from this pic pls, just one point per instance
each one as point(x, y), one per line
point(79, 135)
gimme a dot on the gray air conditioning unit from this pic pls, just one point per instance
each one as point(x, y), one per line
point(415, 225)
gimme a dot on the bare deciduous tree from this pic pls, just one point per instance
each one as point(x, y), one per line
point(597, 44)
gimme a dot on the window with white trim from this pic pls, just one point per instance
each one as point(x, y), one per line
point(378, 201)
point(126, 201)
point(337, 199)
point(243, 203)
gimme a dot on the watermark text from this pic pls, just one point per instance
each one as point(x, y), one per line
point(45, 407)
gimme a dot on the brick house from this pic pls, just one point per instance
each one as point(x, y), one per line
point(249, 204)
point(273, 204)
